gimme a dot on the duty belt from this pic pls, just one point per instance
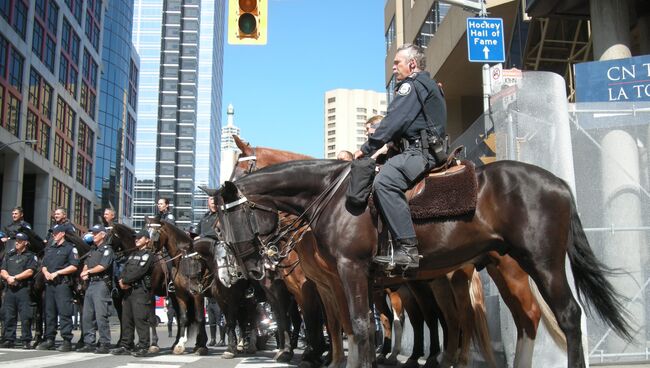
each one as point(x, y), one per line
point(98, 278)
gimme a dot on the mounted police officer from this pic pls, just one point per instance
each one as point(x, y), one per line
point(17, 223)
point(98, 271)
point(60, 262)
point(109, 218)
point(164, 213)
point(417, 115)
point(205, 227)
point(18, 269)
point(136, 283)
point(60, 218)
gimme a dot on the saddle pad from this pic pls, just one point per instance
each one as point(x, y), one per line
point(449, 193)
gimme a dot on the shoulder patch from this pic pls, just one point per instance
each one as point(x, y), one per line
point(35, 259)
point(107, 252)
point(170, 217)
point(75, 253)
point(145, 256)
point(404, 89)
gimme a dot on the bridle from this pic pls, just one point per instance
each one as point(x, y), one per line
point(252, 164)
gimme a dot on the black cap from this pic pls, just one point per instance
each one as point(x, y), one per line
point(22, 236)
point(62, 228)
point(141, 233)
point(98, 228)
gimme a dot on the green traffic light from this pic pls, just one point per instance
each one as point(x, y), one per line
point(247, 23)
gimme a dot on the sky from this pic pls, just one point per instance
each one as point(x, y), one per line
point(313, 46)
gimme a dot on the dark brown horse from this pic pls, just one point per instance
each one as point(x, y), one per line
point(522, 210)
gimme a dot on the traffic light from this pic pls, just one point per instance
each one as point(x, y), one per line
point(247, 22)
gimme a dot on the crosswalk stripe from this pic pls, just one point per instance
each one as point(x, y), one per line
point(261, 362)
point(49, 361)
point(173, 359)
point(152, 365)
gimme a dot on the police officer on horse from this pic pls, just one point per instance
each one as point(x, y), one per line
point(60, 262)
point(18, 269)
point(98, 271)
point(164, 213)
point(136, 283)
point(17, 223)
point(417, 116)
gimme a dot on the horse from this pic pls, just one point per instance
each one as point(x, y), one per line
point(514, 285)
point(522, 210)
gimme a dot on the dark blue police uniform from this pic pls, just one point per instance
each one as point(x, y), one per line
point(205, 227)
point(405, 120)
point(16, 298)
point(58, 292)
point(98, 298)
point(13, 228)
point(166, 216)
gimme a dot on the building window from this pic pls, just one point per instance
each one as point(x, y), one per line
point(331, 100)
point(12, 122)
point(82, 211)
point(133, 85)
point(331, 111)
point(331, 132)
point(331, 140)
point(38, 130)
point(15, 13)
point(63, 138)
point(331, 125)
point(61, 195)
point(331, 118)
point(70, 42)
point(362, 110)
point(93, 19)
point(391, 34)
point(431, 23)
point(331, 147)
point(75, 8)
point(16, 69)
point(44, 32)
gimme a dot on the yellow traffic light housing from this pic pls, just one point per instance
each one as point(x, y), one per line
point(247, 22)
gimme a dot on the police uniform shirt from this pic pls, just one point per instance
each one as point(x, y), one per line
point(100, 255)
point(58, 257)
point(15, 227)
point(137, 266)
point(166, 216)
point(404, 118)
point(15, 263)
point(206, 225)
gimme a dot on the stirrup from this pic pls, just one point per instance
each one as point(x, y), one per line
point(171, 288)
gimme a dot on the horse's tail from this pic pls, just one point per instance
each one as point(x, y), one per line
point(481, 332)
point(592, 286)
point(548, 318)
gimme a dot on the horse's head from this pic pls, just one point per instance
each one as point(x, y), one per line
point(246, 161)
point(242, 224)
point(167, 235)
point(121, 238)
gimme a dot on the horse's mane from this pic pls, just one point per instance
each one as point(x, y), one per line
point(276, 152)
point(124, 234)
point(313, 166)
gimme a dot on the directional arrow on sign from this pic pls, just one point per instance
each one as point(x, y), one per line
point(486, 51)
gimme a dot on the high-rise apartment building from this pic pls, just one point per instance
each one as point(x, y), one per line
point(115, 159)
point(49, 82)
point(346, 112)
point(169, 36)
point(229, 150)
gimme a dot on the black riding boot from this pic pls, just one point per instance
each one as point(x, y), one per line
point(405, 254)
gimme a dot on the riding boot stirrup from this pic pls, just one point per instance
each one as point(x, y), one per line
point(405, 255)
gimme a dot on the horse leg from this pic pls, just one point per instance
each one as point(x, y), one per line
point(182, 323)
point(199, 320)
point(513, 286)
point(278, 296)
point(360, 350)
point(445, 298)
point(417, 321)
point(386, 318)
point(336, 356)
point(397, 302)
point(312, 314)
point(153, 324)
point(80, 342)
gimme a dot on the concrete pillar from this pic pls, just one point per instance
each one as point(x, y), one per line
point(43, 199)
point(12, 184)
point(610, 24)
point(620, 167)
point(610, 29)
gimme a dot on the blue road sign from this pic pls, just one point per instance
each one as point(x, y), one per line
point(485, 40)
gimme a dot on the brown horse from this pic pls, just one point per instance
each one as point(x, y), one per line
point(522, 210)
point(513, 283)
point(252, 159)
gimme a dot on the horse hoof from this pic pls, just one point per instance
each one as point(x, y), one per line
point(391, 360)
point(179, 349)
point(201, 351)
point(381, 358)
point(431, 363)
point(227, 355)
point(154, 349)
point(410, 363)
point(283, 356)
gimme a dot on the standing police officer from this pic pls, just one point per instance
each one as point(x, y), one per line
point(18, 268)
point(136, 283)
point(164, 213)
point(417, 97)
point(98, 270)
point(60, 262)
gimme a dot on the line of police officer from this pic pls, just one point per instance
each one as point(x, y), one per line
point(59, 268)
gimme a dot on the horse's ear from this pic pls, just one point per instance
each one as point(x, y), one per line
point(243, 146)
point(147, 219)
point(228, 191)
point(209, 191)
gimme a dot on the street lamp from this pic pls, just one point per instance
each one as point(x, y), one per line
point(26, 141)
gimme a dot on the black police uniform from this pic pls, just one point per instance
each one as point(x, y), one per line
point(13, 228)
point(205, 227)
point(62, 223)
point(16, 298)
point(137, 299)
point(166, 216)
point(405, 120)
point(58, 292)
point(214, 319)
point(98, 296)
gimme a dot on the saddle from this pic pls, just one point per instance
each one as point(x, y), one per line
point(447, 190)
